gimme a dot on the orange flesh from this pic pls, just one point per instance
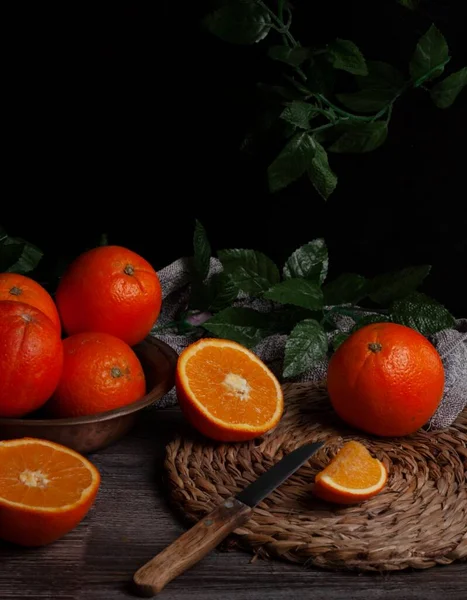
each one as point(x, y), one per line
point(40, 476)
point(353, 468)
point(231, 386)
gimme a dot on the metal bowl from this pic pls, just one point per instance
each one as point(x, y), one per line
point(88, 434)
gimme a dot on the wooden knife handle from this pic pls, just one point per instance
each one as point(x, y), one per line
point(190, 547)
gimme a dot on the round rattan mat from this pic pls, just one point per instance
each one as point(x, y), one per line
point(419, 520)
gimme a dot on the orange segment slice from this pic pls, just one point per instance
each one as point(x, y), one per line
point(45, 490)
point(226, 392)
point(352, 476)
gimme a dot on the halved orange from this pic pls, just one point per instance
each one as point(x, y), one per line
point(45, 490)
point(226, 392)
point(352, 476)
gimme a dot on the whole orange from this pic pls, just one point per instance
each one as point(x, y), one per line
point(31, 358)
point(100, 373)
point(112, 290)
point(386, 379)
point(19, 288)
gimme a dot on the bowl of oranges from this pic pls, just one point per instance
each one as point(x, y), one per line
point(77, 369)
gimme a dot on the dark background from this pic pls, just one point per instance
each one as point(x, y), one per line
point(127, 120)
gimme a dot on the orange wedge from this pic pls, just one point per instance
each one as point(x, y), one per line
point(45, 491)
point(352, 476)
point(226, 392)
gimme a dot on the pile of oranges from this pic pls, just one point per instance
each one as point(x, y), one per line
point(107, 301)
point(68, 358)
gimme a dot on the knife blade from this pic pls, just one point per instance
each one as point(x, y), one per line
point(203, 537)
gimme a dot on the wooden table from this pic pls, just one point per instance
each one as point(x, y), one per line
point(132, 520)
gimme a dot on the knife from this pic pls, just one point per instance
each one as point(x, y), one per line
point(203, 537)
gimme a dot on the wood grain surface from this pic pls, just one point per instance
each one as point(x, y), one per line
point(132, 521)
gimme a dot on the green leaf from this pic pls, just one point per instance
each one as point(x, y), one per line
point(381, 76)
point(393, 286)
point(306, 344)
point(243, 325)
point(250, 271)
point(240, 22)
point(284, 318)
point(347, 288)
point(321, 76)
point(9, 254)
point(24, 256)
point(202, 250)
point(361, 137)
point(422, 313)
point(290, 56)
point(410, 4)
point(292, 162)
point(430, 56)
point(369, 320)
point(103, 239)
point(320, 173)
point(200, 296)
point(299, 292)
point(339, 339)
point(345, 55)
point(298, 114)
point(223, 291)
point(445, 92)
point(308, 262)
point(365, 101)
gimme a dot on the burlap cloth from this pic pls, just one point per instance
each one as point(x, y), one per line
point(450, 343)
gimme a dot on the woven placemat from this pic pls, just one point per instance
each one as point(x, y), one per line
point(418, 521)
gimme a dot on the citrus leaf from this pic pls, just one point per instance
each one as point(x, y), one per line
point(422, 313)
point(392, 286)
point(103, 240)
point(445, 92)
point(27, 256)
point(9, 254)
point(223, 291)
point(285, 317)
point(299, 292)
point(308, 262)
point(361, 137)
point(410, 4)
point(430, 56)
point(290, 56)
point(381, 76)
point(242, 22)
point(292, 162)
point(298, 114)
point(243, 325)
point(347, 288)
point(321, 76)
point(369, 320)
point(250, 271)
point(320, 173)
point(346, 56)
point(366, 100)
point(202, 250)
point(306, 344)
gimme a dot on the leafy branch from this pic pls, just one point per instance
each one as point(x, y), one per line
point(299, 301)
point(309, 114)
point(17, 255)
